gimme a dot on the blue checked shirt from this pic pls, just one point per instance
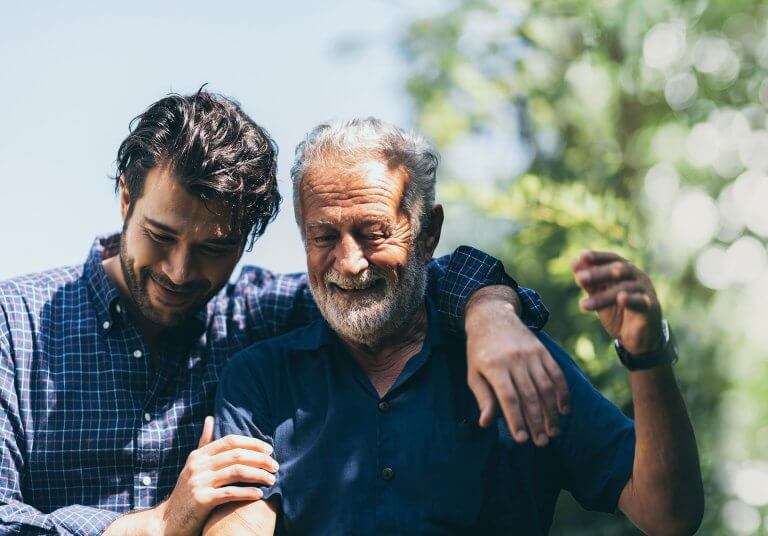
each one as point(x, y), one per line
point(89, 431)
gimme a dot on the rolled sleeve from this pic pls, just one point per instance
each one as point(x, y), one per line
point(22, 519)
point(453, 278)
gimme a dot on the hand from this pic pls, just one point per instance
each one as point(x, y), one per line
point(623, 297)
point(208, 477)
point(506, 359)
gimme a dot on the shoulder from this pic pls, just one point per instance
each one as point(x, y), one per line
point(31, 293)
point(255, 277)
point(275, 352)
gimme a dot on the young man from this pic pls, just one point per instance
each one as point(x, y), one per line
point(108, 370)
point(368, 410)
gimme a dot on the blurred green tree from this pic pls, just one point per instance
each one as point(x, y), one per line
point(638, 127)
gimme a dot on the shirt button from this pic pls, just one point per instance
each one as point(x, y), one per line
point(146, 481)
point(383, 406)
point(147, 417)
point(106, 324)
point(137, 354)
point(387, 474)
point(118, 308)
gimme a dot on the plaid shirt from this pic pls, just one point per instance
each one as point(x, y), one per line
point(89, 431)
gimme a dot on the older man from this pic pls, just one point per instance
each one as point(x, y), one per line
point(368, 411)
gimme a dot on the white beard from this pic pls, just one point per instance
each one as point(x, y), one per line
point(369, 319)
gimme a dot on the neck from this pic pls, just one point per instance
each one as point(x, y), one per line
point(384, 360)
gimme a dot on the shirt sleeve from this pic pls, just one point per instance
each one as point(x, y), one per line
point(242, 406)
point(453, 278)
point(275, 303)
point(15, 516)
point(596, 446)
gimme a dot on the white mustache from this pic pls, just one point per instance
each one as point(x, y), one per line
point(361, 281)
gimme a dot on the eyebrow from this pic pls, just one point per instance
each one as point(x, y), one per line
point(223, 241)
point(367, 221)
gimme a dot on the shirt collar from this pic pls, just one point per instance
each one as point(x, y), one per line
point(106, 297)
point(104, 294)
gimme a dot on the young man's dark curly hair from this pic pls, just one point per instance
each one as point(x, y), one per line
point(214, 150)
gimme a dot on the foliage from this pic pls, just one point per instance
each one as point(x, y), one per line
point(639, 127)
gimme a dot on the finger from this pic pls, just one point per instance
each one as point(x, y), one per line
point(548, 398)
point(636, 301)
point(531, 406)
point(607, 298)
point(235, 493)
point(207, 435)
point(590, 257)
point(236, 442)
point(484, 396)
point(614, 272)
point(241, 473)
point(559, 382)
point(245, 457)
point(510, 406)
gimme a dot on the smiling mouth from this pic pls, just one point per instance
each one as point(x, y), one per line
point(374, 287)
point(173, 298)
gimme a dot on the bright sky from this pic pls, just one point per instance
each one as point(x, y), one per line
point(73, 74)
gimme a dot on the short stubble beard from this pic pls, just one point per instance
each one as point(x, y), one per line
point(139, 294)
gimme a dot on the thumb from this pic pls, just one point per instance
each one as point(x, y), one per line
point(207, 435)
point(485, 399)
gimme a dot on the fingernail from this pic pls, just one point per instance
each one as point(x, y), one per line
point(582, 276)
point(275, 466)
point(521, 435)
point(543, 439)
point(270, 450)
point(587, 303)
point(272, 480)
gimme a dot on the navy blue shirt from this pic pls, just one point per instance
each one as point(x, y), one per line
point(413, 461)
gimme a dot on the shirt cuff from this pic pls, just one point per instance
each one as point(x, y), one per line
point(471, 269)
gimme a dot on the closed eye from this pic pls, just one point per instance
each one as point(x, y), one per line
point(214, 252)
point(160, 239)
point(324, 239)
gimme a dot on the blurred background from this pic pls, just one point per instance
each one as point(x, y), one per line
point(636, 126)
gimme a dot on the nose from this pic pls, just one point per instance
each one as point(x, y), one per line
point(179, 267)
point(349, 256)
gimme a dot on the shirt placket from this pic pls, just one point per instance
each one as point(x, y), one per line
point(149, 437)
point(386, 463)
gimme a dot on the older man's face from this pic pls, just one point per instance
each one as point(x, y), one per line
point(366, 268)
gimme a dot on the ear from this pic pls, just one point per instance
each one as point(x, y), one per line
point(125, 198)
point(432, 232)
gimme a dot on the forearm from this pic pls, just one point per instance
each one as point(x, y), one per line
point(493, 293)
point(141, 523)
point(666, 483)
point(258, 518)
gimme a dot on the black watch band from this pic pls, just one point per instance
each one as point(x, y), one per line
point(667, 354)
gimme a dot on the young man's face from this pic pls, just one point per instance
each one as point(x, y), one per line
point(175, 251)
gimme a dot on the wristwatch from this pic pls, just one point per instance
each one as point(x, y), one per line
point(667, 354)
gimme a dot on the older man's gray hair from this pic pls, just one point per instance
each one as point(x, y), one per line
point(345, 141)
